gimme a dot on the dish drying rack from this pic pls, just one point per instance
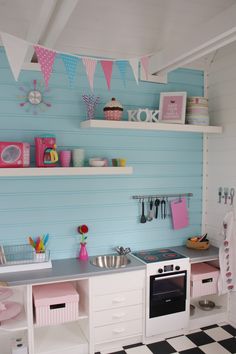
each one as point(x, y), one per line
point(14, 258)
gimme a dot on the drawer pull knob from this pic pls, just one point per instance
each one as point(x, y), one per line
point(118, 299)
point(118, 330)
point(118, 315)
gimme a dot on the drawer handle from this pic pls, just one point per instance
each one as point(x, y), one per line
point(118, 315)
point(119, 330)
point(118, 299)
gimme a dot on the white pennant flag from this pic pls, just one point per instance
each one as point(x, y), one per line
point(16, 50)
point(134, 63)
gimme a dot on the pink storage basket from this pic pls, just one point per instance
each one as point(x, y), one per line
point(55, 303)
point(204, 278)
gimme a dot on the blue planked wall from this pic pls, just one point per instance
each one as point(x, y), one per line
point(164, 162)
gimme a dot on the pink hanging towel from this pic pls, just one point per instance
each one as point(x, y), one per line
point(179, 213)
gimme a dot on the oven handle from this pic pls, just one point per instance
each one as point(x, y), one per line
point(170, 276)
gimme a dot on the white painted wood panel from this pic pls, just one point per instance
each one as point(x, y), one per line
point(221, 148)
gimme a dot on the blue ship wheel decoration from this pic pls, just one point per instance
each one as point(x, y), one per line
point(34, 97)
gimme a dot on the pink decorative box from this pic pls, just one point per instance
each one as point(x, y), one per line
point(204, 278)
point(55, 303)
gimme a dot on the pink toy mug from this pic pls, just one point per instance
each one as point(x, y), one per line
point(65, 158)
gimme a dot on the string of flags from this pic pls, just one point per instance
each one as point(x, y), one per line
point(16, 50)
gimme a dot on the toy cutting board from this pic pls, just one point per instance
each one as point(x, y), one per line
point(179, 211)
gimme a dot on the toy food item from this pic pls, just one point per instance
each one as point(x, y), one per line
point(113, 110)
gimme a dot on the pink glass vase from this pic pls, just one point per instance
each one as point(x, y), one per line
point(83, 254)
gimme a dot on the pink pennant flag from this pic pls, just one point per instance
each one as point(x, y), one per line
point(107, 69)
point(90, 67)
point(145, 63)
point(46, 59)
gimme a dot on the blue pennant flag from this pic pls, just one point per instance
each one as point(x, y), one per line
point(70, 63)
point(122, 66)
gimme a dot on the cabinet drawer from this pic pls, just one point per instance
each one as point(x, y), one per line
point(117, 331)
point(102, 318)
point(113, 283)
point(120, 299)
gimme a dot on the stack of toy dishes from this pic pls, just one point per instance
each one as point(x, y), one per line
point(197, 111)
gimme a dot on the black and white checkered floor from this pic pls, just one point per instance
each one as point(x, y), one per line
point(215, 339)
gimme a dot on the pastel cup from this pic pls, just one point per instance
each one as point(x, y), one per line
point(122, 162)
point(65, 158)
point(78, 157)
point(115, 162)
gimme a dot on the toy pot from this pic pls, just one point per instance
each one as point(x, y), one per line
point(83, 254)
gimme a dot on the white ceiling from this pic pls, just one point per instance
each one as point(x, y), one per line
point(108, 28)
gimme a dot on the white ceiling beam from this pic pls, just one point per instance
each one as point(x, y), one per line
point(58, 21)
point(38, 24)
point(197, 42)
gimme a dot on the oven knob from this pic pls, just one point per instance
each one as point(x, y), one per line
point(177, 268)
point(160, 270)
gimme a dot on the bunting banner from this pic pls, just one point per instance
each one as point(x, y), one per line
point(70, 63)
point(144, 63)
point(122, 66)
point(90, 67)
point(107, 66)
point(46, 59)
point(16, 49)
point(134, 63)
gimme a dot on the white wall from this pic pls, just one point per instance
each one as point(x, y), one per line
point(221, 155)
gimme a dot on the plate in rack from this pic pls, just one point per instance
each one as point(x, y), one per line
point(5, 293)
point(11, 309)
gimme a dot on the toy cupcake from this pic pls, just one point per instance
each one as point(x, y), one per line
point(113, 110)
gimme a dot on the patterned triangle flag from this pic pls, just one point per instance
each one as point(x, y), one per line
point(16, 50)
point(90, 67)
point(70, 63)
point(134, 63)
point(107, 69)
point(122, 66)
point(145, 63)
point(46, 59)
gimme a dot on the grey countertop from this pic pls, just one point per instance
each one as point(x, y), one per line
point(71, 268)
point(197, 256)
point(65, 269)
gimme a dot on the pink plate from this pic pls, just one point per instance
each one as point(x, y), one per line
point(11, 310)
point(5, 292)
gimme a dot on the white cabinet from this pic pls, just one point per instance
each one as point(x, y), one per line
point(111, 309)
point(66, 338)
point(218, 314)
point(117, 309)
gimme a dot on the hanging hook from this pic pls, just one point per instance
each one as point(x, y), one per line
point(231, 193)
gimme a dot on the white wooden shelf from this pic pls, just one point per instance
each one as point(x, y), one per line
point(65, 337)
point(96, 123)
point(64, 171)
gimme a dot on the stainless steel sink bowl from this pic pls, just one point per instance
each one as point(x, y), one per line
point(110, 261)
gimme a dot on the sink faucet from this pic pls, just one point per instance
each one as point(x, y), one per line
point(122, 251)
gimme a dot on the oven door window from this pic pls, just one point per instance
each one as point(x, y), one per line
point(167, 294)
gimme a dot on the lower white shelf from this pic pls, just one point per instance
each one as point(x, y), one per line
point(64, 171)
point(203, 318)
point(62, 339)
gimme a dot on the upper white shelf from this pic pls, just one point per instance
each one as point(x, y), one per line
point(96, 123)
point(64, 171)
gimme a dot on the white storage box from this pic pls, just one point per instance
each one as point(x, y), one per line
point(55, 303)
point(204, 278)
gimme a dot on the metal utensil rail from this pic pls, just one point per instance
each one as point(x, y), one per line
point(154, 196)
